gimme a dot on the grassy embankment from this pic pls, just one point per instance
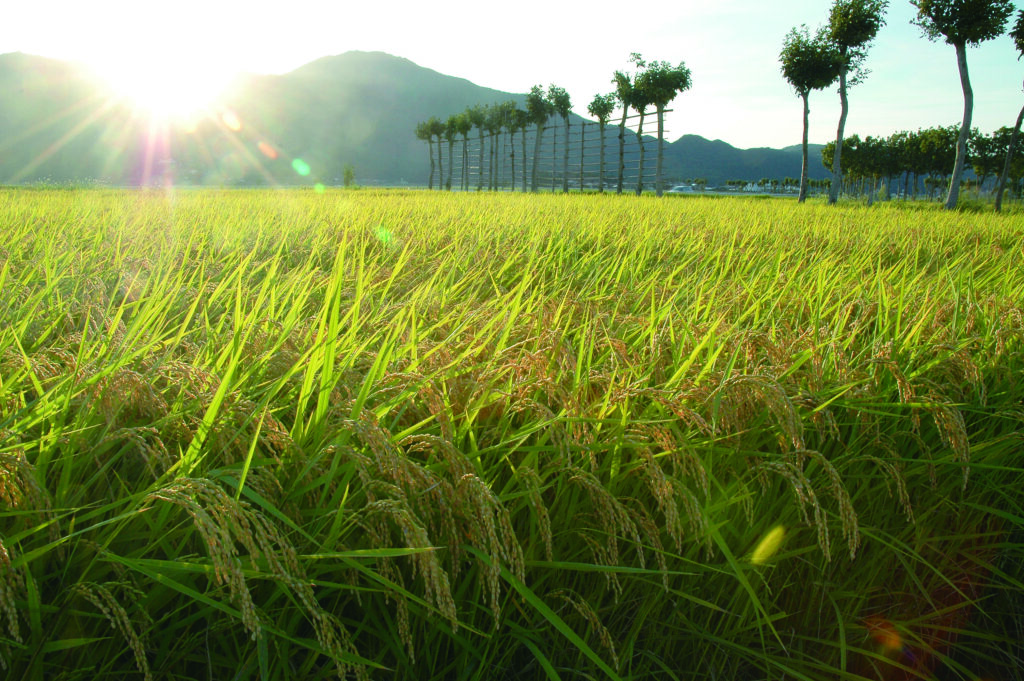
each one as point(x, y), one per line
point(285, 435)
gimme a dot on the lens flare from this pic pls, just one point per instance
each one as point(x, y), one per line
point(267, 150)
point(884, 633)
point(230, 120)
point(318, 188)
point(301, 167)
point(768, 545)
point(384, 235)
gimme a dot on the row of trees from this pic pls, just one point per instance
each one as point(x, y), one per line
point(905, 157)
point(651, 85)
point(837, 52)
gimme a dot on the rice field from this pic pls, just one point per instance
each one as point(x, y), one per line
point(399, 435)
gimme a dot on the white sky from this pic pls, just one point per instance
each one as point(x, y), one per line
point(731, 46)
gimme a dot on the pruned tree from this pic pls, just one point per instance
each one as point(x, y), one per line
point(521, 120)
point(1017, 34)
point(438, 129)
point(624, 93)
point(640, 102)
point(451, 131)
point(601, 108)
point(961, 23)
point(660, 82)
point(808, 63)
point(852, 25)
point(463, 125)
point(478, 118)
point(562, 105)
point(539, 109)
point(425, 131)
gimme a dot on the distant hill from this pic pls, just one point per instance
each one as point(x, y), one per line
point(59, 123)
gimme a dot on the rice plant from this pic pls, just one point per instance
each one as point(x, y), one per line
point(393, 435)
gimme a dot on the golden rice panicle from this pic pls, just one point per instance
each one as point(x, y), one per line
point(743, 396)
point(426, 562)
point(614, 519)
point(662, 490)
point(103, 599)
point(220, 545)
point(805, 496)
point(584, 610)
point(532, 481)
point(893, 471)
point(652, 533)
point(147, 444)
point(847, 515)
point(12, 587)
point(127, 394)
point(487, 518)
point(952, 429)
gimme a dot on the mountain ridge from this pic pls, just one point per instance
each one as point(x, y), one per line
point(59, 124)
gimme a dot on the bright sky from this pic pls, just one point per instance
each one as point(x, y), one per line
point(731, 47)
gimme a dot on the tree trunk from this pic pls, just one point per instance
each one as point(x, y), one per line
point(523, 163)
point(554, 157)
point(837, 168)
point(965, 129)
point(658, 189)
point(536, 157)
point(440, 165)
point(640, 164)
point(1009, 160)
point(430, 149)
point(565, 158)
point(448, 184)
point(583, 131)
point(512, 155)
point(622, 148)
point(480, 166)
point(803, 163)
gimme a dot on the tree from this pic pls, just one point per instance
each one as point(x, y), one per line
point(661, 82)
point(478, 118)
point(640, 101)
point(562, 105)
point(539, 109)
point(425, 131)
point(451, 131)
point(463, 125)
point(521, 121)
point(808, 64)
point(961, 23)
point(601, 108)
point(852, 25)
point(1017, 34)
point(624, 93)
point(438, 130)
point(348, 175)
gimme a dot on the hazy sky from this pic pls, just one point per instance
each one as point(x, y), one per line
point(731, 47)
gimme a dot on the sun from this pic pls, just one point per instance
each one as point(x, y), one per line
point(168, 90)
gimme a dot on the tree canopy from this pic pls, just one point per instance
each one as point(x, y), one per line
point(852, 24)
point(962, 22)
point(560, 101)
point(538, 106)
point(660, 82)
point(601, 107)
point(809, 63)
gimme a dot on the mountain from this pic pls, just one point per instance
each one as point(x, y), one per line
point(60, 123)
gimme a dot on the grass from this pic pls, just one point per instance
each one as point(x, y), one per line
point(289, 435)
